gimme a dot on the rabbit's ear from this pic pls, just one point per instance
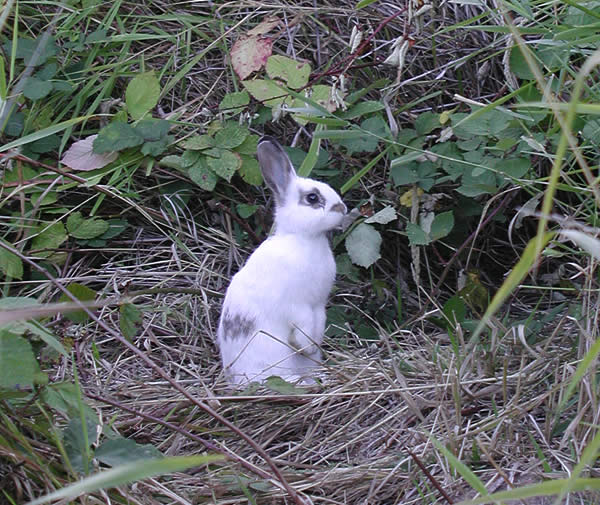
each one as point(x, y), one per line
point(276, 167)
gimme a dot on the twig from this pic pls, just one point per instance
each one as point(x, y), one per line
point(431, 478)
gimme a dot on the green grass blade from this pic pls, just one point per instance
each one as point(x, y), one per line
point(125, 474)
point(547, 488)
point(45, 132)
point(461, 468)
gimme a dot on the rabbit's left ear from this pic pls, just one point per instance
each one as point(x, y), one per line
point(276, 167)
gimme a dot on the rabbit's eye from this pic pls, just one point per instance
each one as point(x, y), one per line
point(312, 198)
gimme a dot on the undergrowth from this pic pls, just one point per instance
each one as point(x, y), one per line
point(463, 331)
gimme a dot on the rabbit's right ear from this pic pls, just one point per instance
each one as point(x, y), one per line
point(276, 167)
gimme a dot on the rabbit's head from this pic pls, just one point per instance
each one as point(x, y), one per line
point(302, 206)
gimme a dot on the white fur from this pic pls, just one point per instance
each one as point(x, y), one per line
point(283, 287)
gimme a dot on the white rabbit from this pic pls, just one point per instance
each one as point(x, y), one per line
point(273, 315)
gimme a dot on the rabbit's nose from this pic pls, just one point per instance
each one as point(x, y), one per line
point(339, 207)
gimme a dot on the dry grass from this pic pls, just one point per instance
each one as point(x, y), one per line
point(364, 436)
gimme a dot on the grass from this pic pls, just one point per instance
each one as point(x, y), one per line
point(412, 408)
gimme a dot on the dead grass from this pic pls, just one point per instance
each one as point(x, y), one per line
point(363, 437)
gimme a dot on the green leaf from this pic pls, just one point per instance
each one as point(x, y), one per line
point(416, 235)
point(250, 170)
point(44, 145)
point(231, 136)
point(18, 366)
point(373, 128)
point(294, 73)
point(248, 146)
point(130, 318)
point(514, 167)
point(48, 239)
point(267, 92)
point(199, 142)
point(442, 225)
point(82, 228)
point(142, 94)
point(10, 264)
point(77, 442)
point(124, 474)
point(152, 130)
point(279, 385)
point(245, 211)
point(35, 88)
point(519, 66)
point(15, 124)
point(33, 52)
point(81, 293)
point(172, 161)
point(234, 102)
point(455, 310)
point(202, 175)
point(226, 165)
point(119, 451)
point(361, 109)
point(115, 228)
point(427, 122)
point(384, 216)
point(115, 137)
point(155, 148)
point(363, 245)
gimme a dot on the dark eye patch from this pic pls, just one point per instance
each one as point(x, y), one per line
point(312, 198)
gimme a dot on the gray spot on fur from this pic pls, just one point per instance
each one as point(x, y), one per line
point(235, 326)
point(305, 197)
point(339, 207)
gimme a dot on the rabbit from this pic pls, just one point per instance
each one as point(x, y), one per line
point(273, 315)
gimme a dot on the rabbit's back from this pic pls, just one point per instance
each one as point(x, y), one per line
point(275, 306)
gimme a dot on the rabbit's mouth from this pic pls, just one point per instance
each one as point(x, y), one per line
point(347, 219)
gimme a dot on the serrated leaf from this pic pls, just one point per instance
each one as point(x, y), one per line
point(82, 228)
point(442, 225)
point(267, 92)
point(250, 170)
point(81, 156)
point(190, 157)
point(142, 94)
point(115, 228)
point(233, 102)
point(130, 317)
point(231, 136)
point(226, 165)
point(363, 245)
point(48, 239)
point(81, 293)
point(248, 146)
point(35, 88)
point(172, 161)
point(202, 175)
point(121, 450)
point(416, 235)
point(155, 148)
point(250, 54)
point(198, 142)
point(152, 130)
point(116, 136)
point(384, 216)
point(294, 73)
point(374, 128)
point(10, 264)
point(514, 167)
point(18, 366)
